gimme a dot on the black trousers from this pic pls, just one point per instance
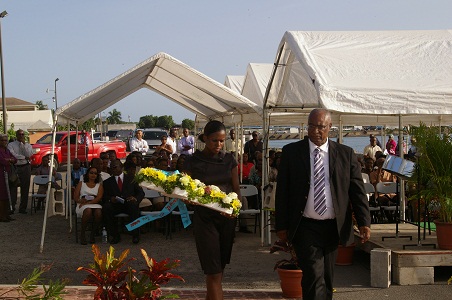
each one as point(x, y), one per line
point(315, 244)
point(109, 210)
point(24, 174)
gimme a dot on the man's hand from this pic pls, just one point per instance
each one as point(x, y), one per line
point(131, 199)
point(364, 233)
point(282, 235)
point(113, 199)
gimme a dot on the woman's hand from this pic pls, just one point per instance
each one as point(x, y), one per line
point(228, 215)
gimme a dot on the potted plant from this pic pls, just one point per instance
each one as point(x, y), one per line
point(289, 272)
point(434, 174)
point(116, 280)
point(345, 255)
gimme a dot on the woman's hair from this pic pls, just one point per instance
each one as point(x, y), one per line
point(211, 127)
point(86, 175)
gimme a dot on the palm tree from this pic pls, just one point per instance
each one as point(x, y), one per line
point(114, 117)
point(40, 105)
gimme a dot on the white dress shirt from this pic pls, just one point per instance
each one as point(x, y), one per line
point(173, 144)
point(139, 145)
point(309, 210)
point(22, 152)
point(184, 141)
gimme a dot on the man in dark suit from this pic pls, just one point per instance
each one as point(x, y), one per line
point(117, 189)
point(319, 185)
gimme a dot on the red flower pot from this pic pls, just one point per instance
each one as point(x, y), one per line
point(345, 255)
point(290, 281)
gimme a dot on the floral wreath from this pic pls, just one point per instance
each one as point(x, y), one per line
point(194, 190)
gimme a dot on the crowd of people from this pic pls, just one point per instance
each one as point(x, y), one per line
point(107, 188)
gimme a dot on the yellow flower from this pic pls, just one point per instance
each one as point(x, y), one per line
point(236, 204)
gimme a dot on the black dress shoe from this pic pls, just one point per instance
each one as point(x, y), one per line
point(135, 239)
point(23, 211)
point(11, 212)
point(11, 219)
point(4, 220)
point(115, 240)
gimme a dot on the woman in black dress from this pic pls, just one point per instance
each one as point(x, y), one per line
point(214, 232)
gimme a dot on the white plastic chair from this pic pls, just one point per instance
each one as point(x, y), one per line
point(38, 180)
point(248, 190)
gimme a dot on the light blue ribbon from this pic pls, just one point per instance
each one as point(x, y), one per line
point(169, 207)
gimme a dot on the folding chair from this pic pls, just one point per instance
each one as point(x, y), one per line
point(151, 194)
point(384, 189)
point(248, 190)
point(38, 180)
point(269, 204)
point(375, 211)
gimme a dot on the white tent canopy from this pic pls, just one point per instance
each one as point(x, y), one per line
point(169, 77)
point(235, 82)
point(365, 77)
point(256, 81)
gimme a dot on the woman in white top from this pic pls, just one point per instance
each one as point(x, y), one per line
point(88, 194)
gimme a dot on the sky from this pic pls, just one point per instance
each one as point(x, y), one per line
point(86, 43)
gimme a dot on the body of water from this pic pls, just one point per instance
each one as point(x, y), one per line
point(357, 142)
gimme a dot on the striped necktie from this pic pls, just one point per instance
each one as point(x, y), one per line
point(319, 183)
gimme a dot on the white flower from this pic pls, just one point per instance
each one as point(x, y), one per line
point(227, 199)
point(185, 180)
point(233, 195)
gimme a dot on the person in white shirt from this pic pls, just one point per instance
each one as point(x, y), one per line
point(138, 144)
point(172, 140)
point(372, 148)
point(22, 152)
point(186, 144)
point(230, 143)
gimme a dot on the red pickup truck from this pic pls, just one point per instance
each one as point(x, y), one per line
point(87, 148)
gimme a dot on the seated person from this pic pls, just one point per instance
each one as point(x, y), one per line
point(105, 162)
point(132, 158)
point(367, 169)
point(162, 163)
point(121, 195)
point(88, 196)
point(77, 173)
point(246, 167)
point(180, 162)
point(140, 160)
point(380, 175)
point(44, 169)
point(99, 165)
point(149, 162)
point(130, 168)
point(164, 147)
point(111, 156)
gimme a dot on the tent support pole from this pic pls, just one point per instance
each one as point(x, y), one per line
point(402, 182)
point(69, 179)
point(265, 234)
point(49, 186)
point(76, 140)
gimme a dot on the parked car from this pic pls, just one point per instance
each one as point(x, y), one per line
point(97, 136)
point(122, 134)
point(153, 137)
point(87, 149)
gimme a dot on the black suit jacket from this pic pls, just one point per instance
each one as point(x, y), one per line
point(129, 188)
point(347, 188)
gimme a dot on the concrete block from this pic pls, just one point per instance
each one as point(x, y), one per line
point(411, 276)
point(380, 268)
